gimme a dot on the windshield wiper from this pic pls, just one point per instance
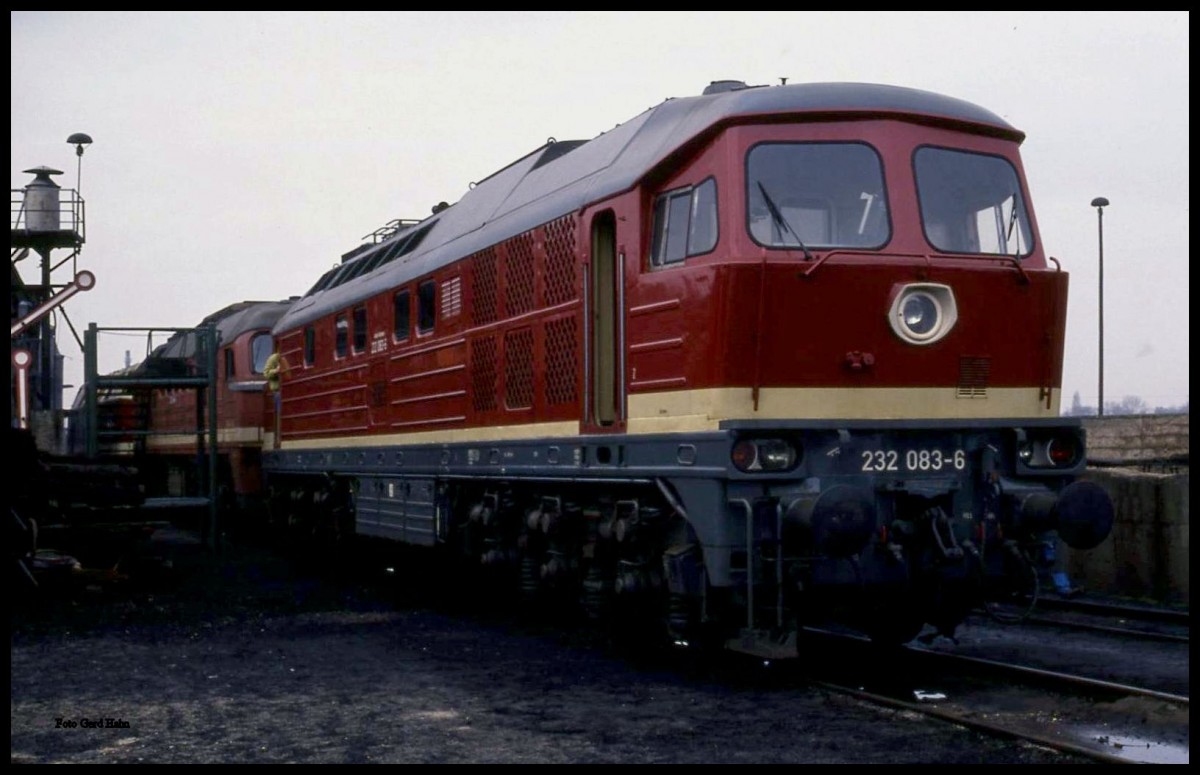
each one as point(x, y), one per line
point(1012, 221)
point(780, 221)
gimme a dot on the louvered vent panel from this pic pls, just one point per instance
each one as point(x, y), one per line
point(451, 298)
point(973, 375)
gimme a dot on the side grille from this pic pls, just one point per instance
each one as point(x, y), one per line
point(518, 369)
point(483, 374)
point(561, 368)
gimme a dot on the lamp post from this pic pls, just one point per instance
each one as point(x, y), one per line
point(80, 141)
point(1100, 203)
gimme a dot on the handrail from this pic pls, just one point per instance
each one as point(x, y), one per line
point(925, 256)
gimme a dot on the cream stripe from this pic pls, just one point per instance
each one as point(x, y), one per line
point(490, 433)
point(242, 435)
point(702, 410)
point(695, 410)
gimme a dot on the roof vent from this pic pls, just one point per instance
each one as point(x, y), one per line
point(717, 87)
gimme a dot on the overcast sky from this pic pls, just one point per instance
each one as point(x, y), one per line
point(238, 155)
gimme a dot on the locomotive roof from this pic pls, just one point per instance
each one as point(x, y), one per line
point(231, 322)
point(559, 178)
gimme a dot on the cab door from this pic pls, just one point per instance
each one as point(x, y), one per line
point(604, 408)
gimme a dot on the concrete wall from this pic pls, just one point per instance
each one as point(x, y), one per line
point(1132, 440)
point(1142, 461)
point(1146, 557)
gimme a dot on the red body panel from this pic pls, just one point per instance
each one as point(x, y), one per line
point(742, 315)
point(810, 324)
point(242, 415)
point(507, 354)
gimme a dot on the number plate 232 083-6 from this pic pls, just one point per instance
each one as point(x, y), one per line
point(913, 460)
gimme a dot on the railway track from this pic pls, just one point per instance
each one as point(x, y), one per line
point(986, 727)
point(1125, 613)
point(1141, 622)
point(1106, 721)
point(1078, 715)
point(357, 675)
point(1124, 610)
point(1125, 631)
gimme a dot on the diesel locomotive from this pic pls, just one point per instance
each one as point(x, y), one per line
point(751, 359)
point(243, 408)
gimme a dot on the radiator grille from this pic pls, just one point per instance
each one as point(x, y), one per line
point(560, 361)
point(560, 261)
point(483, 374)
point(518, 369)
point(483, 287)
point(518, 275)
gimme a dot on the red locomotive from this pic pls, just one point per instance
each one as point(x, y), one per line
point(749, 358)
point(244, 411)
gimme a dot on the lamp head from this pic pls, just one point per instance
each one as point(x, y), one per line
point(79, 140)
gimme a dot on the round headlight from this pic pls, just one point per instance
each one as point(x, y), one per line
point(922, 313)
point(919, 314)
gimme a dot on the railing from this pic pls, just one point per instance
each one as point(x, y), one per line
point(200, 375)
point(69, 215)
point(390, 228)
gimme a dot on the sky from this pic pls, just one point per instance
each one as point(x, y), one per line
point(238, 155)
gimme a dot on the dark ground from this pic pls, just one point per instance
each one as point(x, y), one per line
point(238, 658)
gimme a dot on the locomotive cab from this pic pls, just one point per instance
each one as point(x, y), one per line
point(890, 340)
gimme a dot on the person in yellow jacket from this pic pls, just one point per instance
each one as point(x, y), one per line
point(271, 371)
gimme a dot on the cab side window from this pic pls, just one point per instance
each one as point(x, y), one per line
point(400, 308)
point(360, 329)
point(426, 311)
point(685, 223)
point(341, 329)
point(261, 347)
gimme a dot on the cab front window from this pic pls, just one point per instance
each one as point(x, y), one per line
point(816, 195)
point(971, 203)
point(261, 347)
